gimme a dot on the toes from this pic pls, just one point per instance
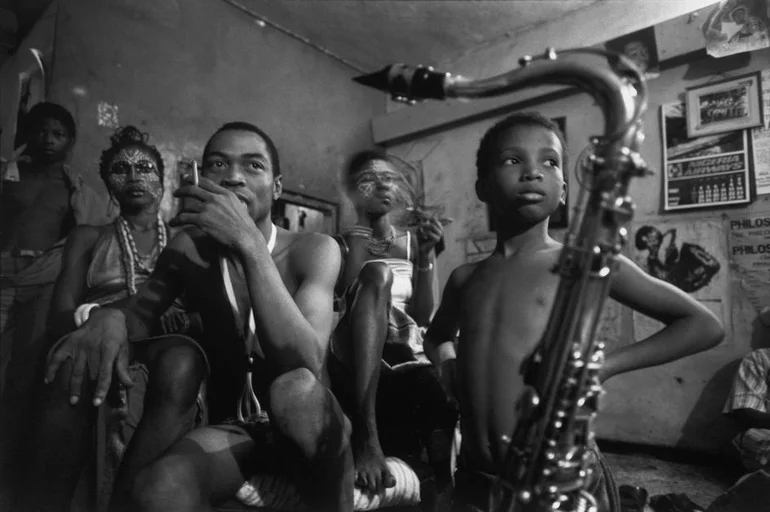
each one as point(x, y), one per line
point(388, 479)
point(361, 480)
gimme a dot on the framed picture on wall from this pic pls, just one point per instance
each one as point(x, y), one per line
point(724, 106)
point(704, 172)
point(302, 213)
point(560, 218)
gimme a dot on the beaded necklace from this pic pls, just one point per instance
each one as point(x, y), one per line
point(376, 246)
point(132, 260)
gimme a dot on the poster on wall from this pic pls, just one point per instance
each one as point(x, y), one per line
point(749, 250)
point(760, 138)
point(704, 172)
point(737, 26)
point(689, 255)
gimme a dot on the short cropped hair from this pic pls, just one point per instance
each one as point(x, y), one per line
point(518, 119)
point(46, 110)
point(249, 127)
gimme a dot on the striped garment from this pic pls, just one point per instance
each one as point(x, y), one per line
point(750, 391)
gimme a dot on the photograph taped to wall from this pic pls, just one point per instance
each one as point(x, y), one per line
point(305, 214)
point(737, 26)
point(641, 47)
point(723, 106)
point(705, 172)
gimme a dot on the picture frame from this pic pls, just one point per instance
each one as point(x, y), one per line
point(708, 172)
point(724, 106)
point(302, 213)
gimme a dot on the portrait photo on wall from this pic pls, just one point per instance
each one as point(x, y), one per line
point(641, 47)
point(703, 172)
point(560, 218)
point(305, 214)
point(726, 105)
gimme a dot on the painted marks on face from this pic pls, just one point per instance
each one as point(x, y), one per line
point(380, 175)
point(134, 171)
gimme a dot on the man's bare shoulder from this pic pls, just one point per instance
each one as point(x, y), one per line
point(192, 244)
point(309, 250)
point(463, 274)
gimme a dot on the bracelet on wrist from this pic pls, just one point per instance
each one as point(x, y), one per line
point(426, 269)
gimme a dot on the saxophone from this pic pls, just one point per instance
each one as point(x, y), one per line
point(547, 464)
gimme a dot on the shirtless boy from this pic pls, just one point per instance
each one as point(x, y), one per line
point(501, 305)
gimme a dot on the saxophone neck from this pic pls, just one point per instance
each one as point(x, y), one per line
point(618, 86)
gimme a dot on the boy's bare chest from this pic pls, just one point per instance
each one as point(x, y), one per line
point(512, 291)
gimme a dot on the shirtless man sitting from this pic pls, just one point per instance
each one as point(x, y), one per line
point(265, 296)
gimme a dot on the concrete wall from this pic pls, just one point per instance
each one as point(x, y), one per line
point(179, 69)
point(677, 404)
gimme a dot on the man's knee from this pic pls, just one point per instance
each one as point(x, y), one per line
point(306, 412)
point(176, 375)
point(169, 480)
point(376, 275)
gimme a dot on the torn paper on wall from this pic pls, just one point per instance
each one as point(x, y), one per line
point(107, 115)
point(761, 141)
point(737, 26)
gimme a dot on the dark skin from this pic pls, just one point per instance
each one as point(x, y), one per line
point(138, 199)
point(291, 294)
point(140, 211)
point(48, 145)
point(499, 327)
point(366, 319)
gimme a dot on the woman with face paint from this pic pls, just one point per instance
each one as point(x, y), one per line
point(105, 265)
point(378, 367)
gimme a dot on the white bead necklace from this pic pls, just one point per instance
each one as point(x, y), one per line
point(132, 261)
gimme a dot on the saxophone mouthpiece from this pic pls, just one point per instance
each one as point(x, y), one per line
point(407, 83)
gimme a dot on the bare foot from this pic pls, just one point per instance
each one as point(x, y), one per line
point(371, 471)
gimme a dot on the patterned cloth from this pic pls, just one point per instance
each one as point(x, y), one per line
point(750, 391)
point(404, 344)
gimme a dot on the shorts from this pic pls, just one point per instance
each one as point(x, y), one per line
point(473, 489)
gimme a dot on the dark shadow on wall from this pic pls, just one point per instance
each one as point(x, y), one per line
point(707, 411)
point(760, 334)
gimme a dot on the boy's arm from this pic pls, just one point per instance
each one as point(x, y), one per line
point(439, 340)
point(690, 326)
